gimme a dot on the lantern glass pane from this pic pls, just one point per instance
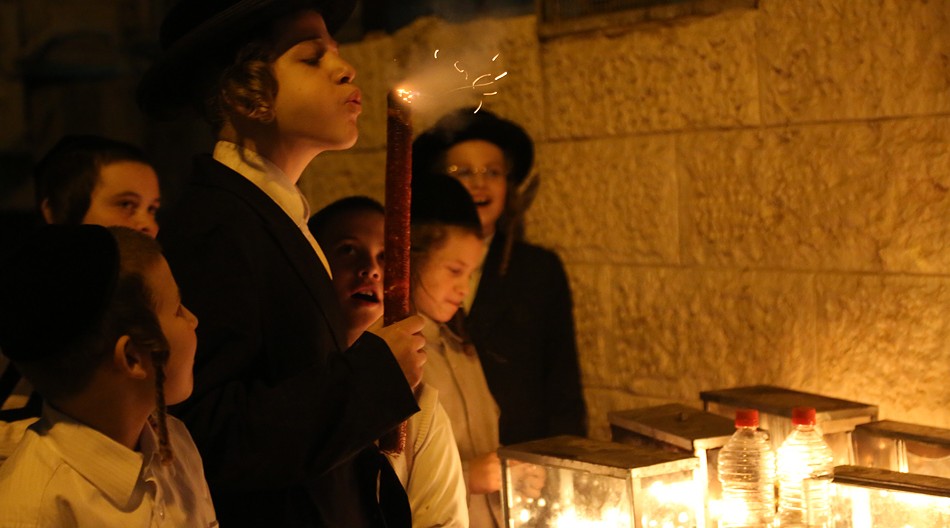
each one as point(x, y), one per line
point(570, 498)
point(670, 501)
point(857, 506)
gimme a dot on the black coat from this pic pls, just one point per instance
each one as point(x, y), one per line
point(523, 328)
point(284, 419)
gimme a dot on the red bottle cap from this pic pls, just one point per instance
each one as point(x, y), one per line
point(803, 416)
point(747, 418)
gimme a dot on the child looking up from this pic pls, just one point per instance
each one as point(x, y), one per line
point(351, 230)
point(81, 180)
point(446, 247)
point(284, 412)
point(92, 318)
point(95, 180)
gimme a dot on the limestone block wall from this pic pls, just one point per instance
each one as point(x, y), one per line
point(759, 196)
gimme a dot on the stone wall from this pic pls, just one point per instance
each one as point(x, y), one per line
point(760, 196)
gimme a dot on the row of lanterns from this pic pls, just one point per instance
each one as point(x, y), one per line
point(660, 470)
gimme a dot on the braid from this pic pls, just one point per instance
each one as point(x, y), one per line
point(160, 420)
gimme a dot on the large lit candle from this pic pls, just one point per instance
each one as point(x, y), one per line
point(398, 201)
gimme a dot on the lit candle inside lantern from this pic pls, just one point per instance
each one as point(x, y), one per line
point(398, 202)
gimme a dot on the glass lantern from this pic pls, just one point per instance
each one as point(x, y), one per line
point(590, 483)
point(903, 447)
point(680, 429)
point(878, 498)
point(836, 418)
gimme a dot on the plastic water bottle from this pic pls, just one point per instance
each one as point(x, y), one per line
point(804, 455)
point(747, 474)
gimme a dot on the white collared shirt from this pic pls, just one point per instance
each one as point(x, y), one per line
point(67, 474)
point(269, 178)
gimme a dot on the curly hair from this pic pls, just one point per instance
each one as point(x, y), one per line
point(246, 85)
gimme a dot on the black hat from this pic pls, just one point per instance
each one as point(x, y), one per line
point(197, 35)
point(55, 288)
point(465, 124)
point(443, 200)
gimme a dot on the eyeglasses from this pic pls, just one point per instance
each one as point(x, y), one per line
point(466, 173)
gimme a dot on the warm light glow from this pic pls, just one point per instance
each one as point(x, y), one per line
point(406, 95)
point(858, 506)
point(671, 504)
point(610, 518)
point(436, 54)
point(500, 76)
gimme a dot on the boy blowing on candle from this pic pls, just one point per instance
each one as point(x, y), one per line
point(92, 317)
point(284, 411)
point(352, 231)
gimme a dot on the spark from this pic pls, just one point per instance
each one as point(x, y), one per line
point(480, 77)
point(481, 81)
point(460, 70)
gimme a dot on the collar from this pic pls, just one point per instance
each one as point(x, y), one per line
point(431, 332)
point(439, 335)
point(107, 464)
point(266, 176)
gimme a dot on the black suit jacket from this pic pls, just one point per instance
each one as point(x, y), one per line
point(523, 328)
point(284, 418)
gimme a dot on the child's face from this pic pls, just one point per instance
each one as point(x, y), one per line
point(316, 104)
point(443, 279)
point(178, 324)
point(483, 170)
point(127, 195)
point(354, 249)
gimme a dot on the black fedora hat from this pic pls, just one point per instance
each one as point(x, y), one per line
point(466, 124)
point(198, 36)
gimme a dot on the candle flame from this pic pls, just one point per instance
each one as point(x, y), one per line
point(500, 76)
point(495, 57)
point(406, 95)
point(436, 55)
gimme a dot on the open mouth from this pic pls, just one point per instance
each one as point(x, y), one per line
point(482, 202)
point(367, 296)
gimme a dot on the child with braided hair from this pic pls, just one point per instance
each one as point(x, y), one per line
point(91, 316)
